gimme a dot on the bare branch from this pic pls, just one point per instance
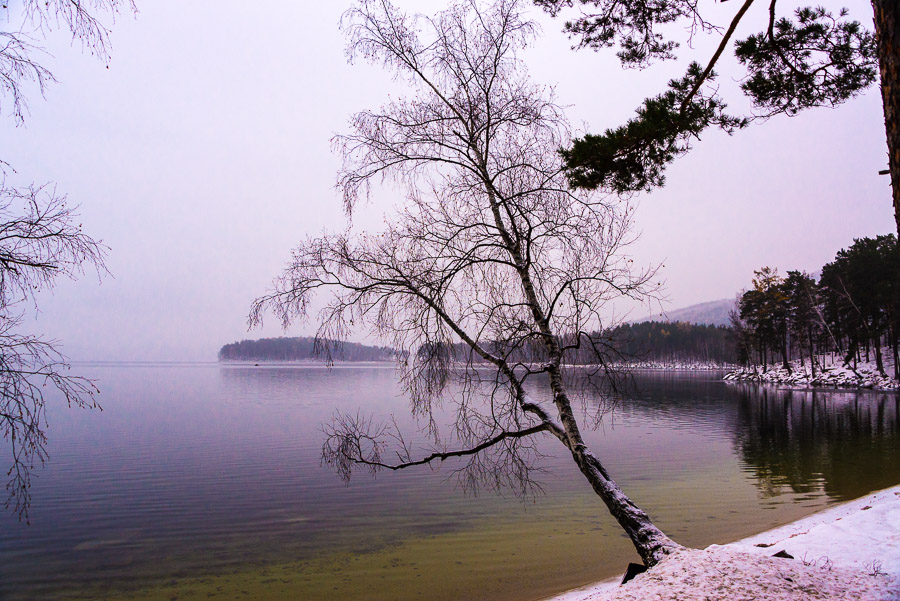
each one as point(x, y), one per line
point(40, 242)
point(348, 444)
point(19, 51)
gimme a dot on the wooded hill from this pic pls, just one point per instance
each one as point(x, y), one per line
point(301, 349)
point(713, 313)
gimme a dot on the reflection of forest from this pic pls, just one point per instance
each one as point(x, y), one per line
point(845, 442)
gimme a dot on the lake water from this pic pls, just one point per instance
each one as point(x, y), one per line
point(203, 481)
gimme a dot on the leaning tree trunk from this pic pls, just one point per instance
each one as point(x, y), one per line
point(651, 543)
point(887, 34)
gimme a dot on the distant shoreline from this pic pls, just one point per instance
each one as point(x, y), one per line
point(302, 349)
point(676, 366)
point(642, 365)
point(301, 362)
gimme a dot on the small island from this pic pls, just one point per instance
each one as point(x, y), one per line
point(303, 349)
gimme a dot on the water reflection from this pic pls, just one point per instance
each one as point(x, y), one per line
point(210, 470)
point(845, 442)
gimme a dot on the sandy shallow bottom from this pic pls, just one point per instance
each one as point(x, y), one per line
point(850, 552)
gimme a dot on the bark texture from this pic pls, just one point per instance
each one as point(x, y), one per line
point(651, 543)
point(887, 33)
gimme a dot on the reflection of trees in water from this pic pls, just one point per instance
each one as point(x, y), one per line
point(846, 442)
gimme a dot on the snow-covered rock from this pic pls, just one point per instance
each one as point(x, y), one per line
point(677, 365)
point(828, 376)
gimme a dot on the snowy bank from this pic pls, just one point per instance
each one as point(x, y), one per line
point(851, 551)
point(833, 376)
point(676, 365)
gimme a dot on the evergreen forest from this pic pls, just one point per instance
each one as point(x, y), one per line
point(675, 342)
point(850, 313)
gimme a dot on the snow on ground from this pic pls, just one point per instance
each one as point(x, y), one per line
point(851, 551)
point(832, 375)
point(860, 535)
point(729, 575)
point(676, 365)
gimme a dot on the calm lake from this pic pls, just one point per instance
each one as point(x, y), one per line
point(203, 481)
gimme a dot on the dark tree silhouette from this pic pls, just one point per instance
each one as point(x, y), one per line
point(677, 341)
point(804, 324)
point(860, 295)
point(764, 311)
point(851, 310)
point(490, 249)
point(812, 57)
point(40, 242)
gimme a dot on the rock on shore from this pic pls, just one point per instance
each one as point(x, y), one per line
point(865, 376)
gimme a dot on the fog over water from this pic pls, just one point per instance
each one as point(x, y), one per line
point(202, 155)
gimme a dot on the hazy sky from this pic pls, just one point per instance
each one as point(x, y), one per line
point(202, 155)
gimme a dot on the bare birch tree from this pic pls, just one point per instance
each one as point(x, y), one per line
point(40, 239)
point(492, 273)
point(27, 21)
point(40, 242)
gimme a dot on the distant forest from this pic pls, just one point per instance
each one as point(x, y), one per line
point(675, 342)
point(654, 341)
point(301, 349)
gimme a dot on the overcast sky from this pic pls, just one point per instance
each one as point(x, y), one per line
point(202, 155)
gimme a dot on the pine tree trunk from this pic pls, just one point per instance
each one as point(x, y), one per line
point(812, 352)
point(887, 33)
point(895, 347)
point(785, 360)
point(879, 362)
